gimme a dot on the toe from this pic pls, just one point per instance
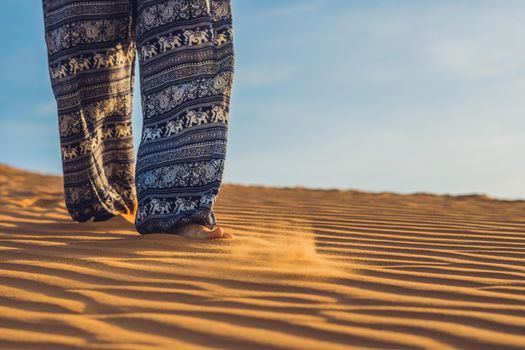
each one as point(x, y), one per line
point(216, 233)
point(202, 232)
point(221, 233)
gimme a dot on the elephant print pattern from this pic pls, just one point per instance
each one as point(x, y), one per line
point(184, 50)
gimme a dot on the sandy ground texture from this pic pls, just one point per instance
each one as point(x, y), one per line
point(307, 269)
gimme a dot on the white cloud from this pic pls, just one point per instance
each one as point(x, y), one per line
point(479, 52)
point(264, 75)
point(45, 108)
point(292, 9)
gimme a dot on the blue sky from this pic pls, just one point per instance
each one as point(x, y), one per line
point(400, 96)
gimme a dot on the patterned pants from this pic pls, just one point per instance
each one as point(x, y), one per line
point(186, 59)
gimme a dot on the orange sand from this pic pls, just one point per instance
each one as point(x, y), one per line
point(308, 269)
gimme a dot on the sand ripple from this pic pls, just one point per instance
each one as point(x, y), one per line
point(308, 269)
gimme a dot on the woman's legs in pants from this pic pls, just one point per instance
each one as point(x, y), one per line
point(186, 73)
point(91, 53)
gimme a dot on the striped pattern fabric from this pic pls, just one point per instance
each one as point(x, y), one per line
point(185, 56)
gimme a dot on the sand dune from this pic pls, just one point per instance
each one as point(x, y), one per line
point(308, 269)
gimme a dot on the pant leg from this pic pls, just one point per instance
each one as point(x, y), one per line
point(186, 74)
point(91, 53)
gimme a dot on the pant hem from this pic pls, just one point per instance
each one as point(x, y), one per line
point(171, 225)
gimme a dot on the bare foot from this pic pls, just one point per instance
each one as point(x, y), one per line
point(196, 231)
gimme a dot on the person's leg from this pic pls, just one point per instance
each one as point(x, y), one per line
point(91, 53)
point(186, 74)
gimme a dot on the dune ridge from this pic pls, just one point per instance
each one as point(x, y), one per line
point(308, 269)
